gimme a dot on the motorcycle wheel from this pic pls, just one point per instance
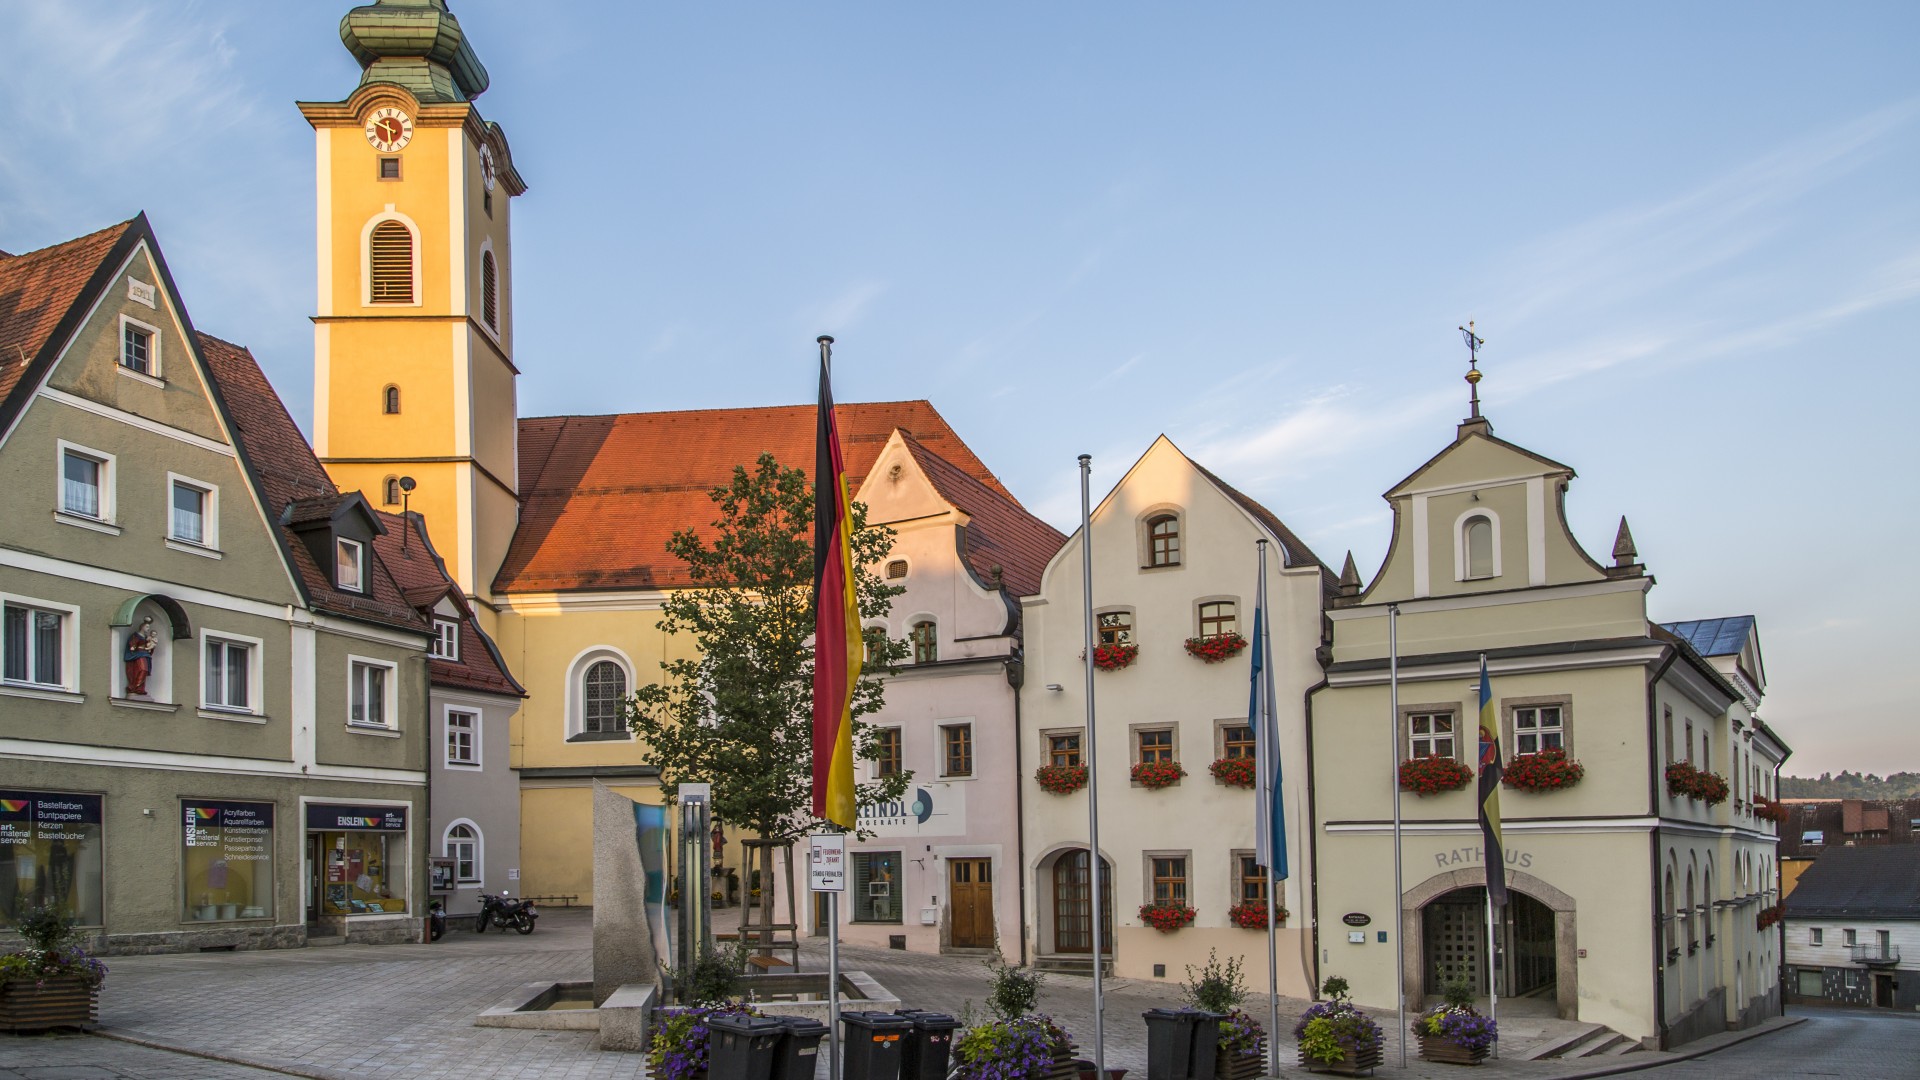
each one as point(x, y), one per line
point(434, 930)
point(480, 924)
point(523, 923)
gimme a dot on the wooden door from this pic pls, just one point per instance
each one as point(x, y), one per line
point(1883, 990)
point(970, 901)
point(1072, 913)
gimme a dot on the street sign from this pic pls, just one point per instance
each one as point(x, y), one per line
point(827, 862)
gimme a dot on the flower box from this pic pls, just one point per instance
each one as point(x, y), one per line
point(1157, 774)
point(1252, 915)
point(1431, 774)
point(1061, 779)
point(1335, 1037)
point(1442, 1049)
point(1115, 657)
point(1166, 916)
point(1233, 771)
point(1351, 1063)
point(1455, 1034)
point(53, 1001)
point(1548, 770)
point(1684, 780)
point(1215, 648)
point(1231, 1065)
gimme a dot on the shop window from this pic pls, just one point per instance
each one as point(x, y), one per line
point(956, 741)
point(363, 850)
point(50, 854)
point(1169, 879)
point(463, 737)
point(462, 845)
point(926, 642)
point(887, 751)
point(1063, 749)
point(1154, 746)
point(876, 879)
point(226, 861)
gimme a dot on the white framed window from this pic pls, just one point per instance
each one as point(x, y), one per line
point(1539, 727)
point(139, 349)
point(463, 738)
point(372, 693)
point(85, 494)
point(446, 639)
point(230, 670)
point(1432, 734)
point(1476, 545)
point(462, 844)
point(1849, 938)
point(598, 682)
point(193, 511)
point(39, 644)
point(349, 564)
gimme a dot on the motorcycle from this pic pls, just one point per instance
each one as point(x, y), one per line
point(504, 911)
point(436, 920)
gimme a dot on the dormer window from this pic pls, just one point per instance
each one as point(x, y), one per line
point(446, 639)
point(350, 565)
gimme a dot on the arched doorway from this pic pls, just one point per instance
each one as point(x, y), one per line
point(1454, 943)
point(1071, 878)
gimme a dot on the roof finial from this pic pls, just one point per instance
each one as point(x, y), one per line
point(1349, 578)
point(1474, 341)
point(1623, 553)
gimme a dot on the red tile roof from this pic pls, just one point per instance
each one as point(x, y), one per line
point(287, 473)
point(38, 289)
point(422, 575)
point(1003, 543)
point(601, 495)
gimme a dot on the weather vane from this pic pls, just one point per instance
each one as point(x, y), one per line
point(1474, 341)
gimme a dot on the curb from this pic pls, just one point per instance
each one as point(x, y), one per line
point(226, 1059)
point(1674, 1057)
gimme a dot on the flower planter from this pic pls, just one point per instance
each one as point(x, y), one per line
point(1442, 1049)
point(1234, 772)
point(1228, 1065)
point(1115, 657)
point(1154, 775)
point(1061, 779)
point(1166, 916)
point(1431, 774)
point(1253, 915)
point(1548, 770)
point(1216, 648)
point(1351, 1063)
point(57, 1001)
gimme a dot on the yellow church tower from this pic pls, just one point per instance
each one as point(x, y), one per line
point(413, 334)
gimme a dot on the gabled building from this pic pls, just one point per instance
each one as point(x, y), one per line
point(1632, 904)
point(212, 706)
point(1853, 929)
point(1176, 560)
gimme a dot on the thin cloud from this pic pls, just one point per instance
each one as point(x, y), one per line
point(844, 310)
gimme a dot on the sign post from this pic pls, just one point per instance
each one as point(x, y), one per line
point(827, 874)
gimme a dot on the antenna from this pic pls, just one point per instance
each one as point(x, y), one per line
point(1474, 342)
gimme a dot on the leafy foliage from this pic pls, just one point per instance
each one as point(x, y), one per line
point(1012, 992)
point(1460, 1024)
point(736, 709)
point(712, 977)
point(1014, 1049)
point(1851, 785)
point(1333, 1030)
point(1241, 1035)
point(681, 1039)
point(52, 951)
point(1215, 987)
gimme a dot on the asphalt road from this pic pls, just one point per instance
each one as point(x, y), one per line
point(1855, 1043)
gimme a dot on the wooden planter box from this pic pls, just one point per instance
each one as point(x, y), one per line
point(1352, 1065)
point(1231, 1066)
point(61, 1001)
point(1440, 1048)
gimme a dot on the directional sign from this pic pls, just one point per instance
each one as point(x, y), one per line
point(827, 862)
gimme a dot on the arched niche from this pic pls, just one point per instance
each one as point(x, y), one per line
point(1413, 902)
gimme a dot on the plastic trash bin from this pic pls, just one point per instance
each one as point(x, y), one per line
point(926, 1050)
point(872, 1048)
point(799, 1048)
point(741, 1047)
point(1181, 1043)
point(1206, 1044)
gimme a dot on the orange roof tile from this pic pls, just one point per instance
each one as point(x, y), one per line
point(601, 495)
point(1000, 534)
point(37, 291)
point(423, 578)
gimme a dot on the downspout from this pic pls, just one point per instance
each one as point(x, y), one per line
point(1016, 678)
point(1655, 776)
point(1313, 843)
point(1780, 896)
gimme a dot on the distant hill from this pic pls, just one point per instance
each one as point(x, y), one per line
point(1851, 785)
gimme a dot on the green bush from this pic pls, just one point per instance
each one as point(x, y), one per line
point(1216, 987)
point(713, 977)
point(1013, 992)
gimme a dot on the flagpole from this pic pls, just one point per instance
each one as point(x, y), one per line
point(1269, 804)
point(1393, 747)
point(833, 984)
point(1493, 971)
point(1093, 770)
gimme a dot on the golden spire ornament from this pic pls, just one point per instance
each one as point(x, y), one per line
point(1474, 341)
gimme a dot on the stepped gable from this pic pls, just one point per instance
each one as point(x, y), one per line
point(600, 496)
point(422, 576)
point(38, 289)
point(999, 533)
point(289, 476)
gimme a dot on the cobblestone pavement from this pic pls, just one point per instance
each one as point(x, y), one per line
point(401, 1012)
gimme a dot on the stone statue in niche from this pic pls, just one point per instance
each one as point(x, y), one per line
point(139, 657)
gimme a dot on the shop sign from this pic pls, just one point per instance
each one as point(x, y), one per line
point(26, 816)
point(1356, 918)
point(336, 817)
point(242, 831)
point(1517, 859)
point(827, 862)
point(934, 810)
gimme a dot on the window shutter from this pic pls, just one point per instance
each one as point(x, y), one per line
point(489, 290)
point(390, 259)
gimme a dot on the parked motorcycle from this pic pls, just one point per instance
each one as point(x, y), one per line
point(504, 911)
point(436, 920)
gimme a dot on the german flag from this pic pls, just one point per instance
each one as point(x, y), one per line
point(836, 627)
point(1490, 773)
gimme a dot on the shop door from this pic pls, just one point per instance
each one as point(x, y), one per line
point(1072, 913)
point(970, 897)
point(315, 857)
point(1883, 990)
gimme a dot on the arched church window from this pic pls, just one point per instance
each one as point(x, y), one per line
point(1479, 541)
point(390, 401)
point(390, 264)
point(489, 291)
point(606, 688)
point(391, 491)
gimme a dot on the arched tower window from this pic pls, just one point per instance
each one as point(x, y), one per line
point(1668, 921)
point(1479, 542)
point(489, 291)
point(390, 401)
point(606, 688)
point(391, 491)
point(390, 264)
point(1163, 540)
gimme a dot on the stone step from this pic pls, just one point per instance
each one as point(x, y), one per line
point(1557, 1045)
point(1070, 965)
point(1626, 1046)
point(1607, 1043)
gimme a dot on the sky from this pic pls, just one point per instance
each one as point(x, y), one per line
point(1689, 233)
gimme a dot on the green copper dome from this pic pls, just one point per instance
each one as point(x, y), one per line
point(416, 44)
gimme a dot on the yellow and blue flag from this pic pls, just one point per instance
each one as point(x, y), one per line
point(1491, 772)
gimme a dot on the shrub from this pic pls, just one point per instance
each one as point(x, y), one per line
point(1216, 987)
point(1333, 1030)
point(1012, 992)
point(712, 977)
point(1335, 988)
point(52, 948)
point(1548, 770)
point(1431, 774)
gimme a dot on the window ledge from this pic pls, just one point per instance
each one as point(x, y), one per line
point(192, 548)
point(41, 693)
point(1161, 566)
point(957, 778)
point(373, 729)
point(601, 736)
point(240, 716)
point(136, 703)
point(79, 521)
point(141, 376)
point(474, 765)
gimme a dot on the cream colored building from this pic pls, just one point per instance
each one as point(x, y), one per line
point(1629, 907)
point(1174, 557)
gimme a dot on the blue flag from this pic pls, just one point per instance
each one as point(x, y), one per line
point(1270, 836)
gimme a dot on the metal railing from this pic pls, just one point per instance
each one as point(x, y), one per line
point(1873, 954)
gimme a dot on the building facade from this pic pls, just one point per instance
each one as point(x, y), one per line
point(1175, 560)
point(1630, 905)
point(1853, 929)
point(213, 702)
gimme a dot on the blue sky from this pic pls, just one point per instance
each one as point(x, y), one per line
point(1689, 233)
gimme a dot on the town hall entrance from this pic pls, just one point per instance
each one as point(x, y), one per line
point(1454, 945)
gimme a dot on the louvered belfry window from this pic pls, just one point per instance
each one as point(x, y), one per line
point(390, 259)
point(489, 290)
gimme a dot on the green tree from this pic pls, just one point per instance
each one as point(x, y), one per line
point(739, 714)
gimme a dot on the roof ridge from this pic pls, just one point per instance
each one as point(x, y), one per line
point(724, 408)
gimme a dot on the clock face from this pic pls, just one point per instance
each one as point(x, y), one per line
point(486, 166)
point(389, 129)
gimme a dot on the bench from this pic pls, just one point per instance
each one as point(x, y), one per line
point(563, 900)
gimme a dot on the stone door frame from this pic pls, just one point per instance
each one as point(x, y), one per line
point(1413, 905)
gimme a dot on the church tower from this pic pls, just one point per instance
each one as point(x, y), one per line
point(413, 334)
